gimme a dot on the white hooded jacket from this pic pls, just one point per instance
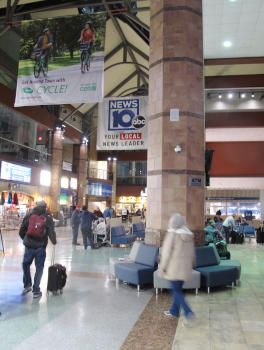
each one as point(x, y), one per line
point(177, 252)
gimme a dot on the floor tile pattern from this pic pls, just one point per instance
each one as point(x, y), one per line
point(229, 318)
point(153, 330)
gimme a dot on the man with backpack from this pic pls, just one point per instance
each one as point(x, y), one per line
point(35, 230)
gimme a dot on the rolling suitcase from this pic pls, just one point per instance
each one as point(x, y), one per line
point(57, 276)
point(260, 235)
point(240, 238)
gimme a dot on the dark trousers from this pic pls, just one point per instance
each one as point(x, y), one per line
point(227, 234)
point(178, 300)
point(39, 255)
point(75, 229)
point(87, 233)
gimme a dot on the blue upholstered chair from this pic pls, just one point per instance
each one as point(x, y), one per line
point(141, 271)
point(119, 236)
point(249, 231)
point(240, 229)
point(139, 230)
point(213, 274)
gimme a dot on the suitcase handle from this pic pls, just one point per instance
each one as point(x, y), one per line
point(53, 255)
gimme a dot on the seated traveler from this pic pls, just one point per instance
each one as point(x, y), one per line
point(215, 237)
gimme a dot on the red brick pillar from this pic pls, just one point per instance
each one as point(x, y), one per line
point(82, 173)
point(175, 180)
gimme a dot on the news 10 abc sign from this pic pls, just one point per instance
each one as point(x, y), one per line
point(124, 114)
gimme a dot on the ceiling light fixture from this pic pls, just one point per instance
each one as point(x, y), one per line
point(230, 95)
point(227, 43)
point(252, 94)
point(242, 95)
point(220, 96)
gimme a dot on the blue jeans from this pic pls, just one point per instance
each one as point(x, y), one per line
point(75, 229)
point(87, 234)
point(39, 255)
point(178, 300)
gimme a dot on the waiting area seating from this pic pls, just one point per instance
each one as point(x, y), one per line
point(213, 272)
point(249, 231)
point(139, 230)
point(141, 271)
point(127, 259)
point(194, 283)
point(119, 236)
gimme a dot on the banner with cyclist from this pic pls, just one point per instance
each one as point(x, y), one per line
point(61, 61)
point(122, 123)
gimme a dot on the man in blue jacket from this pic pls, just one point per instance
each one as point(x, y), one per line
point(87, 219)
point(75, 223)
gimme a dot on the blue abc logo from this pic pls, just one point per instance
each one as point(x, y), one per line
point(123, 115)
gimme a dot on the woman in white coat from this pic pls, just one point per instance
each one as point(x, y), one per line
point(177, 262)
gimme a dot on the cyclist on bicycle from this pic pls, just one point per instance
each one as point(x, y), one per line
point(45, 43)
point(88, 35)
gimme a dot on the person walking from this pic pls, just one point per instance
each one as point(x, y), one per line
point(35, 230)
point(87, 219)
point(75, 223)
point(176, 264)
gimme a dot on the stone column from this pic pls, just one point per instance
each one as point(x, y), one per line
point(261, 198)
point(56, 163)
point(114, 170)
point(82, 173)
point(175, 82)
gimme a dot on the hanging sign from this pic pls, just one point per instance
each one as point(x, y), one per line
point(61, 60)
point(122, 124)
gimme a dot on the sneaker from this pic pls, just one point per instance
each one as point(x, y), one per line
point(167, 313)
point(26, 290)
point(37, 295)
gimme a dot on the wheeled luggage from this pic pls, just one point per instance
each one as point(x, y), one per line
point(240, 238)
point(237, 237)
point(57, 276)
point(260, 235)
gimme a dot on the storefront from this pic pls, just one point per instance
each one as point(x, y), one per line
point(98, 195)
point(131, 203)
point(233, 205)
point(17, 193)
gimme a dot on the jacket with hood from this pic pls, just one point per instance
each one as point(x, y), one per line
point(177, 252)
point(32, 242)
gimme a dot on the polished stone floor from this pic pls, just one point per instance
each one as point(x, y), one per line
point(92, 314)
point(229, 319)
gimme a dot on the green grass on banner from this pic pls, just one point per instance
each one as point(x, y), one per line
point(26, 67)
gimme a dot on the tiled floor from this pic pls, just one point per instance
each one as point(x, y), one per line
point(92, 314)
point(230, 319)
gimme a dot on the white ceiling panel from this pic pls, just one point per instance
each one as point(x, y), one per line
point(240, 21)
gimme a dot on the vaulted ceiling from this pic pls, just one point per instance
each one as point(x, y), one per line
point(239, 22)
